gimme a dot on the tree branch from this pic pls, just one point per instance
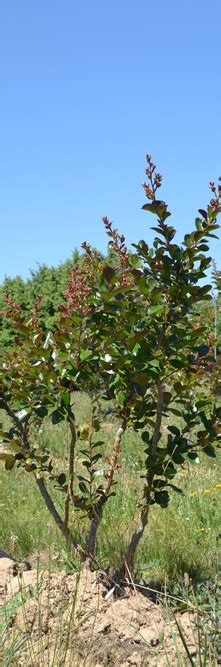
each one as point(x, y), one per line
point(22, 430)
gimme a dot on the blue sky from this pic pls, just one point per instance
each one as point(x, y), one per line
point(87, 89)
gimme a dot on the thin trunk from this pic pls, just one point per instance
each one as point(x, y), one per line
point(56, 516)
point(98, 509)
point(136, 537)
point(93, 533)
point(69, 496)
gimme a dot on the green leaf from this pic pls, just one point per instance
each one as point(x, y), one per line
point(167, 397)
point(142, 247)
point(84, 430)
point(57, 416)
point(161, 498)
point(177, 458)
point(177, 363)
point(9, 461)
point(214, 212)
point(203, 213)
point(176, 489)
point(85, 354)
point(96, 457)
point(193, 457)
point(203, 247)
point(209, 451)
point(188, 239)
point(121, 396)
point(159, 483)
point(155, 309)
point(174, 430)
point(65, 399)
point(157, 207)
point(154, 362)
point(176, 412)
point(199, 224)
point(145, 437)
point(178, 387)
point(170, 470)
point(61, 479)
point(83, 487)
point(41, 411)
point(135, 349)
point(86, 464)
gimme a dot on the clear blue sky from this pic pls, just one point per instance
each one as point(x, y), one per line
point(87, 88)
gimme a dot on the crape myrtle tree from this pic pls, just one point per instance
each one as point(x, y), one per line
point(158, 352)
point(39, 375)
point(126, 332)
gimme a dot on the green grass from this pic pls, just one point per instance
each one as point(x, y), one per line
point(178, 540)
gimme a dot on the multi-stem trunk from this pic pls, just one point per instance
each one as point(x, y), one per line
point(99, 507)
point(61, 523)
point(136, 537)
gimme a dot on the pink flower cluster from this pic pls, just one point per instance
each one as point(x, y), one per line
point(13, 310)
point(79, 289)
point(216, 190)
point(154, 178)
point(117, 241)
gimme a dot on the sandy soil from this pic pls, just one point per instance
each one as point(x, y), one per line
point(70, 620)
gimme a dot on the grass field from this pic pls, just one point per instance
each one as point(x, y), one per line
point(179, 543)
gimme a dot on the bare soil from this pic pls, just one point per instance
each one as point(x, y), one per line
point(58, 619)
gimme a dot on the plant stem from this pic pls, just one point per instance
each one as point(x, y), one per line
point(156, 435)
point(93, 530)
point(58, 520)
point(98, 508)
point(129, 559)
point(69, 496)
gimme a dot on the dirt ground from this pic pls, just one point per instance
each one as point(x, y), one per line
point(56, 619)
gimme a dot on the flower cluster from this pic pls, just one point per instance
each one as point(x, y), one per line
point(88, 250)
point(12, 310)
point(216, 190)
point(215, 488)
point(117, 242)
point(35, 312)
point(154, 178)
point(79, 288)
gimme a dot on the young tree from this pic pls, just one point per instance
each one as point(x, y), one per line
point(125, 330)
point(38, 378)
point(157, 352)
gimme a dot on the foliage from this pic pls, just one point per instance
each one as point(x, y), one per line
point(124, 331)
point(49, 282)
